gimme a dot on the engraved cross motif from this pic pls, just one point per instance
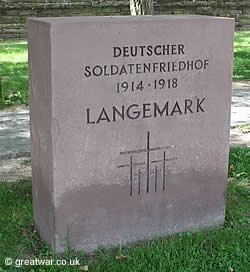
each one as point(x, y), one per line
point(133, 165)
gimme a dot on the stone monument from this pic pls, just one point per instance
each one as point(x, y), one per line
point(130, 120)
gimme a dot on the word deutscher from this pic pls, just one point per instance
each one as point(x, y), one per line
point(149, 50)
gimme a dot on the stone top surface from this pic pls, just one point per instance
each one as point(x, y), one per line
point(104, 19)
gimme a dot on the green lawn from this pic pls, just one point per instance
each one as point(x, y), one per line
point(241, 56)
point(14, 67)
point(14, 72)
point(221, 249)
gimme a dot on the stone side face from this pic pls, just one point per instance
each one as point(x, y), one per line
point(14, 14)
point(40, 113)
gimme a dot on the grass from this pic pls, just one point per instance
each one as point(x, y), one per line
point(14, 68)
point(221, 249)
point(241, 69)
point(14, 72)
point(239, 163)
point(247, 127)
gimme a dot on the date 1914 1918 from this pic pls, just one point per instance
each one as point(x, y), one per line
point(122, 87)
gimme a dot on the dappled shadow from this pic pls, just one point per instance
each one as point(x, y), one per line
point(242, 64)
point(7, 69)
point(242, 36)
point(14, 79)
point(13, 47)
point(243, 54)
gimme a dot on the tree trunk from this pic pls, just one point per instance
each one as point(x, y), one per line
point(141, 7)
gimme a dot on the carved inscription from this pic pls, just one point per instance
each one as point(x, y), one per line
point(166, 81)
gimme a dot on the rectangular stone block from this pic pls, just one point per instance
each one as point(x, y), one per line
point(130, 120)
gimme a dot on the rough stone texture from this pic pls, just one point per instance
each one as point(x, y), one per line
point(84, 191)
point(14, 14)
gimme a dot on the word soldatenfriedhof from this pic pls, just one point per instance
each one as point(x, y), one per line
point(130, 121)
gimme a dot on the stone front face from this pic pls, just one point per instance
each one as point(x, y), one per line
point(130, 126)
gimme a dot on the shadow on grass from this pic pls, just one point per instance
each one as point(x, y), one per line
point(243, 57)
point(14, 73)
point(14, 47)
point(241, 67)
point(15, 83)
